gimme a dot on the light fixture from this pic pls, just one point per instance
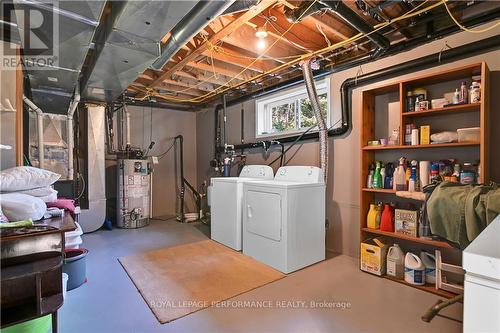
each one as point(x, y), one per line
point(261, 44)
point(261, 32)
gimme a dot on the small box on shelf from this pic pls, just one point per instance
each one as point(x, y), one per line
point(406, 222)
point(373, 255)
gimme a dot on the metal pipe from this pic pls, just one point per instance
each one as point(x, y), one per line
point(70, 132)
point(127, 127)
point(353, 19)
point(239, 6)
point(39, 129)
point(190, 25)
point(323, 130)
point(180, 138)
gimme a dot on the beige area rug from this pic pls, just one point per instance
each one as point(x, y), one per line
point(177, 281)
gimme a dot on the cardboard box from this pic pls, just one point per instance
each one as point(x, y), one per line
point(425, 135)
point(406, 222)
point(373, 254)
point(439, 103)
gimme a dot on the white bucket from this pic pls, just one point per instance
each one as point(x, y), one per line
point(414, 270)
point(64, 284)
point(429, 262)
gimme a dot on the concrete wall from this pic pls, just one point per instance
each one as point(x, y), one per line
point(344, 183)
point(166, 124)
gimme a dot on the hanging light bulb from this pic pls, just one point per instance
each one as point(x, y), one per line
point(261, 44)
point(261, 32)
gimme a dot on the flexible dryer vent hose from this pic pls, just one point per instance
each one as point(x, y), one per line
point(323, 130)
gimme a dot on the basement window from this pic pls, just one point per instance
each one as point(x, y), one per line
point(290, 111)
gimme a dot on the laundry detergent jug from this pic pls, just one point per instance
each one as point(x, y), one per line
point(395, 262)
point(429, 262)
point(414, 270)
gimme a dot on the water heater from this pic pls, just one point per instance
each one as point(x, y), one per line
point(134, 193)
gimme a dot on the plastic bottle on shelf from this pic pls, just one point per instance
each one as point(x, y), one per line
point(395, 262)
point(369, 180)
point(400, 176)
point(414, 270)
point(464, 92)
point(429, 262)
point(377, 177)
point(456, 97)
point(387, 221)
point(412, 183)
point(382, 175)
point(378, 217)
point(389, 174)
point(434, 172)
point(371, 217)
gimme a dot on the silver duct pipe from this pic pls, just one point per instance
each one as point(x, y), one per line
point(191, 24)
point(39, 129)
point(69, 130)
point(239, 6)
point(323, 130)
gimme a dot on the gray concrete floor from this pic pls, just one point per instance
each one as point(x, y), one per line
point(109, 302)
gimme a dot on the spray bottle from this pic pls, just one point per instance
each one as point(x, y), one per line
point(371, 171)
point(377, 177)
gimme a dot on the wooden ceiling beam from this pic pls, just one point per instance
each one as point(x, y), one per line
point(219, 35)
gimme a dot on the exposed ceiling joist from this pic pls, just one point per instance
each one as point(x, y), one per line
point(219, 35)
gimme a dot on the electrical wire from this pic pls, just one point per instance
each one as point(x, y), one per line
point(160, 156)
point(417, 10)
point(480, 31)
point(293, 144)
point(83, 186)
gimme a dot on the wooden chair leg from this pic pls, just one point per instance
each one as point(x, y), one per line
point(54, 322)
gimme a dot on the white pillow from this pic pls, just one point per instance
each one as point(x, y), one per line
point(39, 191)
point(26, 178)
point(18, 206)
point(49, 198)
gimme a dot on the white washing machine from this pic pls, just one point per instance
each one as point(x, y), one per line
point(284, 218)
point(226, 204)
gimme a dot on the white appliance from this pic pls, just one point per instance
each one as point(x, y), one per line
point(226, 204)
point(284, 218)
point(481, 262)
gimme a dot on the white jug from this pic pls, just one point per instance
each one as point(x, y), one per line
point(414, 270)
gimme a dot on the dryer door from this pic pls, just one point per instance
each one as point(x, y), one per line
point(263, 211)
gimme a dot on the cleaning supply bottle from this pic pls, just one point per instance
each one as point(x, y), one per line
point(456, 97)
point(429, 262)
point(395, 262)
point(412, 182)
point(414, 270)
point(400, 176)
point(389, 173)
point(371, 217)
point(387, 221)
point(369, 180)
point(383, 175)
point(378, 217)
point(377, 177)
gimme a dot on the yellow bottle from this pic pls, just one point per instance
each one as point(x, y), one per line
point(371, 218)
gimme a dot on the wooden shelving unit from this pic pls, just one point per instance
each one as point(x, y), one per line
point(396, 91)
point(427, 287)
point(435, 145)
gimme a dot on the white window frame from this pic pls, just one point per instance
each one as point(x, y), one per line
point(263, 106)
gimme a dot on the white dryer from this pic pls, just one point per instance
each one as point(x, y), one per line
point(226, 204)
point(284, 218)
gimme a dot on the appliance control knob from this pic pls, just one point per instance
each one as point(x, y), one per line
point(283, 172)
point(310, 172)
